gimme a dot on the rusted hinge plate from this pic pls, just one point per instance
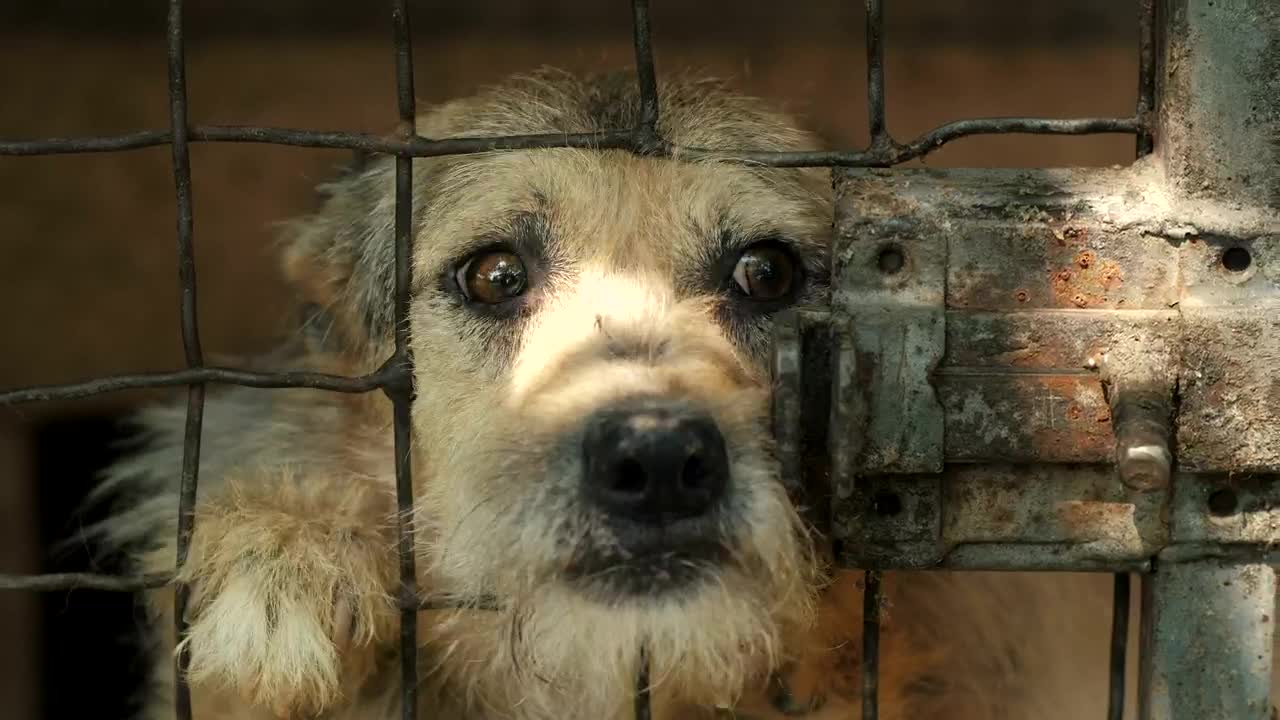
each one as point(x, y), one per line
point(889, 330)
point(993, 516)
point(985, 328)
point(1032, 282)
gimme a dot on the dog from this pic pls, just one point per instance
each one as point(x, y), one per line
point(591, 450)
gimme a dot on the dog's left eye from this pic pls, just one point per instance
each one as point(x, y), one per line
point(492, 277)
point(766, 271)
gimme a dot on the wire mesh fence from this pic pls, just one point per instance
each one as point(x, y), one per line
point(394, 377)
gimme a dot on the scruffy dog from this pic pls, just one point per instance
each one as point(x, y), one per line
point(590, 448)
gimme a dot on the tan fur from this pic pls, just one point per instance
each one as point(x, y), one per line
point(293, 564)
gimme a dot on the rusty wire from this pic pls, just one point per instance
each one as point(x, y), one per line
point(1144, 144)
point(1146, 74)
point(1119, 646)
point(401, 392)
point(395, 379)
point(875, 76)
point(627, 140)
point(871, 645)
point(190, 344)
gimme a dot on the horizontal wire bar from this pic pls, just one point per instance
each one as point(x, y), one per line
point(105, 143)
point(54, 582)
point(332, 139)
point(894, 154)
point(62, 582)
point(385, 377)
point(607, 140)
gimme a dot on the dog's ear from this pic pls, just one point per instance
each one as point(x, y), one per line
point(340, 259)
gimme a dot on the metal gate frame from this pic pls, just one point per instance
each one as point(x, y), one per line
point(917, 387)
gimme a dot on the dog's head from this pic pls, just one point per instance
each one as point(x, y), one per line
point(590, 339)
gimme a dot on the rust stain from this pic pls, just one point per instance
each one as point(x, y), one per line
point(1110, 275)
point(1086, 282)
point(1000, 516)
point(1061, 283)
point(993, 504)
point(1065, 419)
point(1063, 385)
point(1089, 519)
point(1070, 234)
point(1091, 440)
point(1022, 357)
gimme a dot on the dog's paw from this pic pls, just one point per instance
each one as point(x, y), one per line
point(287, 611)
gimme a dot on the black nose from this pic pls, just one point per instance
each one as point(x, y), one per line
point(654, 462)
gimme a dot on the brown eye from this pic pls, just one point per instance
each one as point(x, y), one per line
point(765, 273)
point(492, 277)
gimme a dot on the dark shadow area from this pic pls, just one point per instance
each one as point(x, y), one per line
point(92, 665)
point(918, 22)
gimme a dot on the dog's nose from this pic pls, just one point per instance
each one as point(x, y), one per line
point(654, 462)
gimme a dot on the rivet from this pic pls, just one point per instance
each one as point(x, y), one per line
point(1223, 503)
point(1236, 259)
point(891, 260)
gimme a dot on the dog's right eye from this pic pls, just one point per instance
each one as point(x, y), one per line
point(492, 277)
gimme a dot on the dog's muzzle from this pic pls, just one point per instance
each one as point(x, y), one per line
point(656, 473)
point(654, 463)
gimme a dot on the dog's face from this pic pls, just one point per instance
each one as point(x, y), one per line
point(589, 334)
point(590, 340)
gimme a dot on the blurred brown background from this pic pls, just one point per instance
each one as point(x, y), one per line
point(88, 284)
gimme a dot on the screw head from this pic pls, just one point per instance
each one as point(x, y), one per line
point(1145, 467)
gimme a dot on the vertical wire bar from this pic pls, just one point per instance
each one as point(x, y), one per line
point(1207, 651)
point(190, 340)
point(871, 645)
point(646, 138)
point(643, 709)
point(1119, 645)
point(1146, 74)
point(871, 579)
point(646, 76)
point(401, 390)
point(875, 72)
point(1144, 145)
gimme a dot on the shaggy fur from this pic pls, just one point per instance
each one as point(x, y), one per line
point(293, 560)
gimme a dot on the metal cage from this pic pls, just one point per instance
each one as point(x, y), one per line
point(912, 386)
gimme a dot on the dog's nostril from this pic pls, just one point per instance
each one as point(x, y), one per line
point(693, 475)
point(654, 462)
point(631, 477)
